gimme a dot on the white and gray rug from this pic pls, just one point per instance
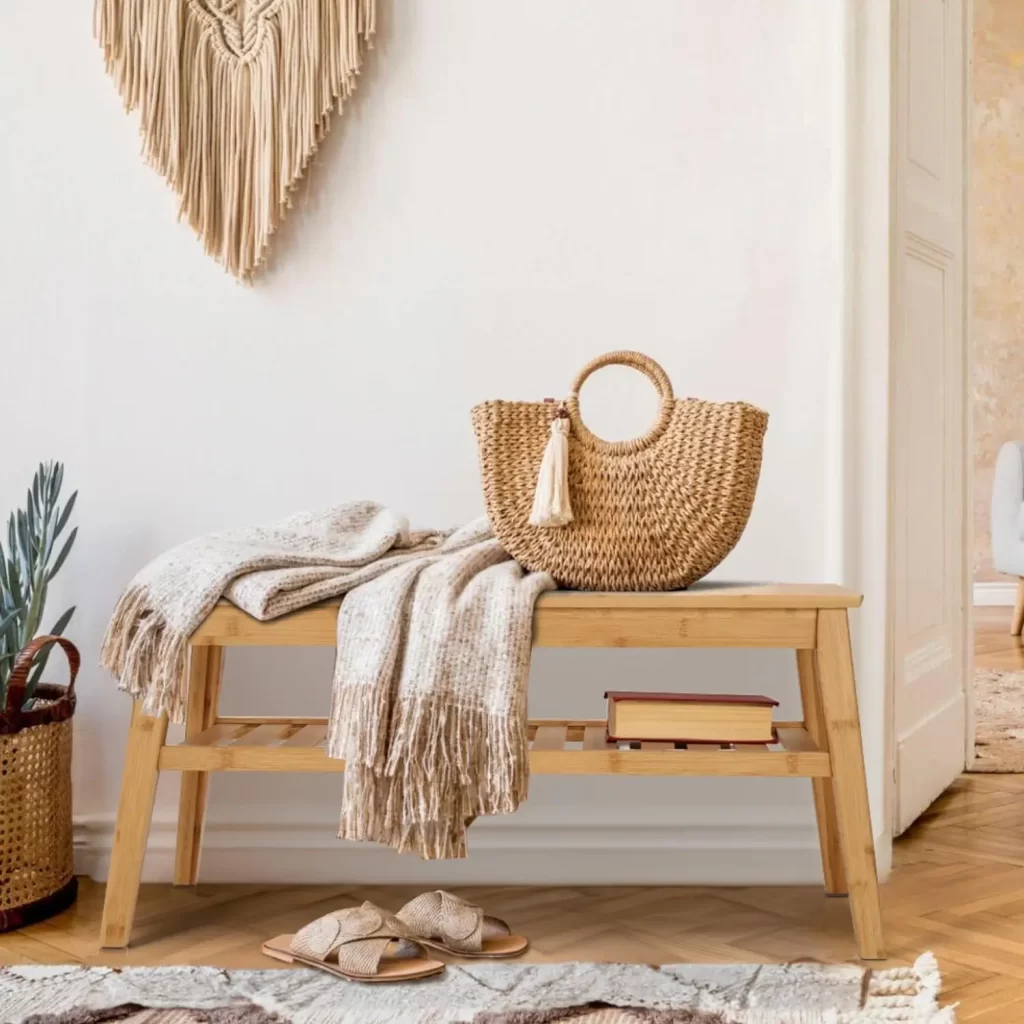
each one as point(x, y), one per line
point(800, 993)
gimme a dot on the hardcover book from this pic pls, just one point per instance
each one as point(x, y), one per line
point(690, 717)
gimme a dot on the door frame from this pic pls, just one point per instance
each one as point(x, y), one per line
point(968, 392)
point(866, 501)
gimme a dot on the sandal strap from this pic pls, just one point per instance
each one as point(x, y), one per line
point(459, 925)
point(357, 938)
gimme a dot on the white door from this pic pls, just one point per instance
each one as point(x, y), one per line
point(929, 546)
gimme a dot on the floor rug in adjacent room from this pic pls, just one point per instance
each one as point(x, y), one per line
point(998, 721)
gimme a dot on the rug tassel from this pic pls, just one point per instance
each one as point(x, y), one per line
point(551, 503)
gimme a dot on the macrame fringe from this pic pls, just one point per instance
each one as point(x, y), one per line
point(232, 112)
point(551, 503)
point(455, 763)
point(913, 991)
point(147, 657)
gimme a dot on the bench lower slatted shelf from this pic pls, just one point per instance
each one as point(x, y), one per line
point(824, 746)
point(556, 748)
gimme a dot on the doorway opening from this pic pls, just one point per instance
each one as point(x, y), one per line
point(996, 384)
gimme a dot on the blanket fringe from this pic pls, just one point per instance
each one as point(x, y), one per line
point(406, 800)
point(146, 655)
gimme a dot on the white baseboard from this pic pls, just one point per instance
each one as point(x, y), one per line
point(999, 593)
point(709, 853)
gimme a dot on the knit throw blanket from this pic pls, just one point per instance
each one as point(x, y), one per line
point(433, 655)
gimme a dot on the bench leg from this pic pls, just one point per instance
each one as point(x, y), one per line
point(842, 724)
point(824, 798)
point(203, 696)
point(134, 811)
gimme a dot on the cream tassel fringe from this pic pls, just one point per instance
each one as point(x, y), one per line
point(148, 657)
point(551, 503)
point(232, 110)
point(402, 800)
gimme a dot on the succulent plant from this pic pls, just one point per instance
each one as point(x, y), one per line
point(26, 569)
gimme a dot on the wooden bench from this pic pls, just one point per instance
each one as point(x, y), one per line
point(825, 746)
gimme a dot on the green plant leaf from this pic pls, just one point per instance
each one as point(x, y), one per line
point(57, 629)
point(65, 515)
point(14, 580)
point(24, 541)
point(27, 565)
point(63, 554)
point(59, 626)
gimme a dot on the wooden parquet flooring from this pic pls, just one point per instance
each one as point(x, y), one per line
point(993, 645)
point(957, 888)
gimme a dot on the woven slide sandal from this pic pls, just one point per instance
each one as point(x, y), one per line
point(359, 944)
point(443, 921)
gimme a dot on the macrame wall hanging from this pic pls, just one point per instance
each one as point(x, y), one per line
point(234, 97)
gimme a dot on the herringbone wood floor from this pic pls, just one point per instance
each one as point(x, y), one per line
point(957, 889)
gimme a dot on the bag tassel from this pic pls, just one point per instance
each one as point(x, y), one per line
point(551, 504)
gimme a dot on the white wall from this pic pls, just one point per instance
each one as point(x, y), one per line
point(517, 188)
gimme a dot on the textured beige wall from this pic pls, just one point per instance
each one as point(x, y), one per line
point(997, 210)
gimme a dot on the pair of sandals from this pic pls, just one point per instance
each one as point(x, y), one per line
point(368, 943)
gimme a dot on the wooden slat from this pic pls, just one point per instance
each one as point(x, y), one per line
point(674, 627)
point(245, 747)
point(609, 761)
point(677, 762)
point(270, 720)
point(705, 615)
point(263, 735)
point(569, 723)
point(712, 594)
point(555, 626)
point(307, 736)
point(549, 737)
point(229, 626)
point(797, 740)
point(216, 734)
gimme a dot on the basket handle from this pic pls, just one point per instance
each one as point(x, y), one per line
point(653, 371)
point(17, 683)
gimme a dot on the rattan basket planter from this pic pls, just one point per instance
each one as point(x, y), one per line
point(37, 876)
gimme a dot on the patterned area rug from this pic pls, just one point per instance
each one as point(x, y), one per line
point(801, 993)
point(998, 721)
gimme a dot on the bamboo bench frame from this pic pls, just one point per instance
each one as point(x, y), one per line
point(825, 746)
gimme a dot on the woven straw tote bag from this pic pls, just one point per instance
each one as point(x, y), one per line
point(654, 513)
point(37, 875)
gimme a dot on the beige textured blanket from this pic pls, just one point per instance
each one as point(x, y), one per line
point(434, 641)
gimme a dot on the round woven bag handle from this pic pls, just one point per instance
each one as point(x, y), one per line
point(652, 371)
point(18, 680)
